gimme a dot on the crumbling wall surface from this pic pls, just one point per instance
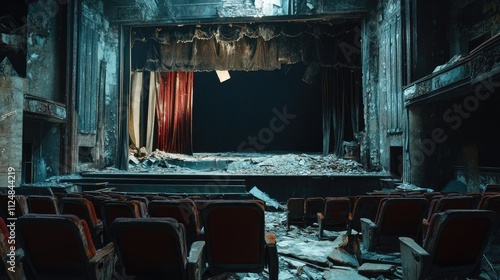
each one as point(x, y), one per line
point(111, 99)
point(107, 94)
point(378, 82)
point(472, 19)
point(12, 91)
point(143, 11)
point(43, 45)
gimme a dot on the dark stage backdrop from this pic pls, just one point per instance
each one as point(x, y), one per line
point(262, 111)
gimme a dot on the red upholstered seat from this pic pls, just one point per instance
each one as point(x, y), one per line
point(396, 217)
point(313, 206)
point(84, 209)
point(236, 241)
point(41, 204)
point(335, 215)
point(295, 211)
point(182, 210)
point(61, 247)
point(162, 252)
point(453, 248)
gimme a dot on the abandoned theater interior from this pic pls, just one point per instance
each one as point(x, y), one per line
point(249, 139)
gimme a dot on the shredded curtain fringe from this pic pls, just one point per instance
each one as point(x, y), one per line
point(247, 47)
point(174, 112)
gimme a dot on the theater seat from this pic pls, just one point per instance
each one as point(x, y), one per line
point(441, 204)
point(112, 209)
point(42, 204)
point(396, 217)
point(295, 212)
point(453, 247)
point(60, 247)
point(236, 240)
point(365, 206)
point(182, 210)
point(155, 248)
point(313, 206)
point(335, 215)
point(84, 209)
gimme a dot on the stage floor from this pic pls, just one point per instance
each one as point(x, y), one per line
point(246, 164)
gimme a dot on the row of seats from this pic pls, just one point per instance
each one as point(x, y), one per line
point(345, 213)
point(442, 237)
point(233, 239)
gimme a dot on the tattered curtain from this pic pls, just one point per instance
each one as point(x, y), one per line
point(174, 112)
point(138, 119)
point(342, 107)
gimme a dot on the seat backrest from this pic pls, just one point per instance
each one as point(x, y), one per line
point(182, 210)
point(313, 206)
point(112, 209)
point(80, 207)
point(97, 201)
point(295, 210)
point(492, 188)
point(151, 248)
point(365, 206)
point(234, 234)
point(400, 217)
point(41, 204)
point(336, 212)
point(452, 202)
point(56, 246)
point(490, 202)
point(456, 240)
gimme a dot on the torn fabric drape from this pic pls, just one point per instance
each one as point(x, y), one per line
point(150, 133)
point(244, 47)
point(134, 129)
point(174, 112)
point(342, 107)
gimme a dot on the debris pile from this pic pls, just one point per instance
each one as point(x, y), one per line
point(244, 163)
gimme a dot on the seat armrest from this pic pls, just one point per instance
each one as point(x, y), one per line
point(425, 227)
point(272, 256)
point(196, 260)
point(321, 219)
point(370, 233)
point(414, 259)
point(103, 263)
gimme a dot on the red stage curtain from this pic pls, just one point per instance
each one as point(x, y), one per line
point(174, 112)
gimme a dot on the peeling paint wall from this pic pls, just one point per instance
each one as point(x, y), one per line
point(12, 90)
point(103, 141)
point(382, 78)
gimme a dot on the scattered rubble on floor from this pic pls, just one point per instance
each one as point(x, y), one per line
point(244, 163)
point(303, 256)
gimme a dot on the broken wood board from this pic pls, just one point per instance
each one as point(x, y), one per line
point(375, 269)
point(339, 255)
point(346, 273)
point(315, 252)
point(389, 258)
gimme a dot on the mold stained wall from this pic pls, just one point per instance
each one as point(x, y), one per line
point(107, 53)
point(45, 72)
point(472, 144)
point(382, 80)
